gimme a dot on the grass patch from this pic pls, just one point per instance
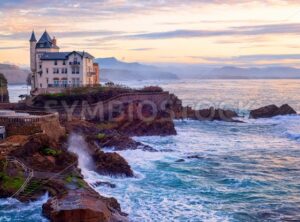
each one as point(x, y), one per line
point(101, 136)
point(11, 183)
point(50, 152)
point(32, 187)
point(107, 126)
point(70, 179)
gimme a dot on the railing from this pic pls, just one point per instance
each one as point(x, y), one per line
point(27, 170)
point(35, 117)
point(91, 73)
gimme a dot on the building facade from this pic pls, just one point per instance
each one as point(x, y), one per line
point(53, 71)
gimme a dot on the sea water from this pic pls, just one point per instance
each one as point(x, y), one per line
point(243, 171)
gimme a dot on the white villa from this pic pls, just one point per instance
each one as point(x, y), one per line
point(53, 71)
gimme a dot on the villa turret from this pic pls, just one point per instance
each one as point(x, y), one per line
point(52, 71)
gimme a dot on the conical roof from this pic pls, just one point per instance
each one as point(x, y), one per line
point(45, 38)
point(45, 41)
point(32, 38)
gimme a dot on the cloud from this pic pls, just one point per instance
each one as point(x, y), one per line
point(141, 49)
point(72, 34)
point(289, 28)
point(250, 58)
point(12, 47)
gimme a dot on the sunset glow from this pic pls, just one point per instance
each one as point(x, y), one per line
point(210, 32)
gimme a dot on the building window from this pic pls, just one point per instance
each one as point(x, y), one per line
point(64, 62)
point(55, 63)
point(64, 70)
point(64, 83)
point(56, 82)
point(55, 70)
point(75, 82)
point(77, 70)
point(47, 70)
point(40, 66)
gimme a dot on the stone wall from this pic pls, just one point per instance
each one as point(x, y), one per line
point(101, 109)
point(29, 125)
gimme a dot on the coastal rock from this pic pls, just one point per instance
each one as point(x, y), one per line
point(286, 110)
point(106, 134)
point(212, 114)
point(140, 119)
point(160, 124)
point(271, 111)
point(118, 142)
point(101, 183)
point(79, 206)
point(111, 164)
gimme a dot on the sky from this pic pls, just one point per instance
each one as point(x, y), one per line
point(230, 32)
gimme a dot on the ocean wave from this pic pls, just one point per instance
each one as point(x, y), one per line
point(293, 136)
point(14, 210)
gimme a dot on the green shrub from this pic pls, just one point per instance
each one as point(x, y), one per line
point(11, 182)
point(51, 152)
point(69, 179)
point(101, 136)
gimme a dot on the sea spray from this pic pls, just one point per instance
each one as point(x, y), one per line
point(78, 146)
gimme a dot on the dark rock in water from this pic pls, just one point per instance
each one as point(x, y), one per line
point(271, 111)
point(101, 183)
point(211, 114)
point(111, 164)
point(286, 110)
point(121, 142)
point(195, 157)
point(180, 161)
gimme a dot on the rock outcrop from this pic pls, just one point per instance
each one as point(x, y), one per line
point(111, 164)
point(271, 111)
point(105, 163)
point(54, 170)
point(210, 114)
point(80, 205)
point(106, 134)
point(178, 111)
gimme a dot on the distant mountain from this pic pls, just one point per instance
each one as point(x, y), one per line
point(14, 74)
point(115, 70)
point(197, 71)
point(231, 72)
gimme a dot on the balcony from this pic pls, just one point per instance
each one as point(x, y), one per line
point(74, 63)
point(89, 74)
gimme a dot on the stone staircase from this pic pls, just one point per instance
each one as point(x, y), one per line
point(30, 188)
point(28, 173)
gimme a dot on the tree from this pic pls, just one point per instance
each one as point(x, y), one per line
point(28, 79)
point(3, 89)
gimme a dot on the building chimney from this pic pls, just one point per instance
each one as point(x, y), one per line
point(54, 41)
